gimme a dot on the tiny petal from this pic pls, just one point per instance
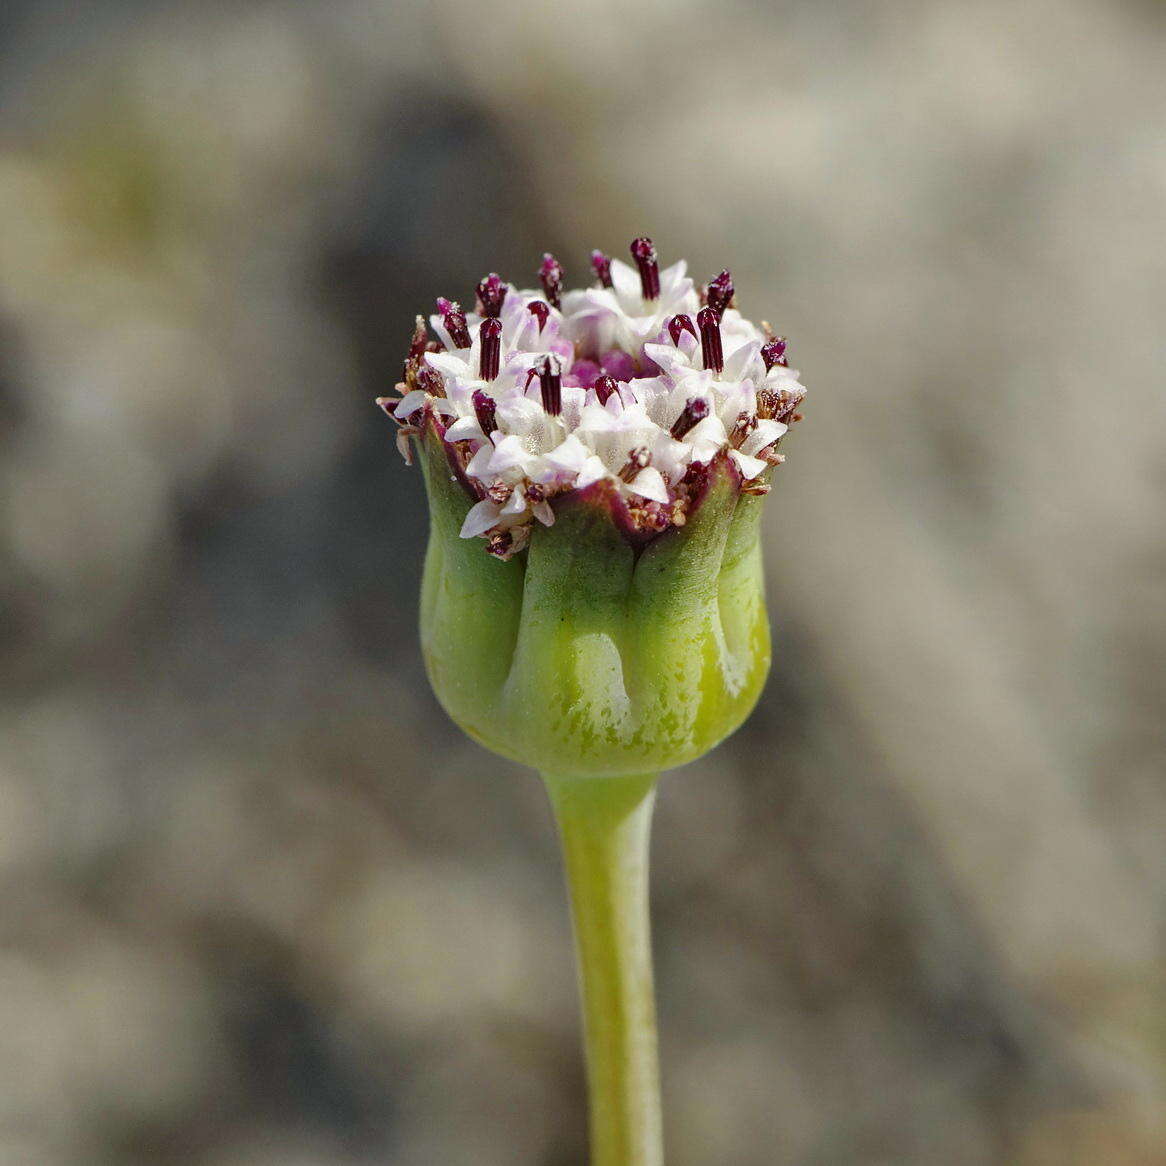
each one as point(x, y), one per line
point(750, 467)
point(649, 483)
point(568, 457)
point(763, 435)
point(465, 429)
point(409, 404)
point(592, 471)
point(481, 517)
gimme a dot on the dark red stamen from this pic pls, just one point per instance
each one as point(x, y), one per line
point(644, 253)
point(419, 341)
point(744, 425)
point(551, 381)
point(551, 274)
point(491, 335)
point(431, 381)
point(697, 409)
point(774, 353)
point(710, 339)
point(542, 311)
point(491, 293)
point(455, 322)
point(719, 293)
point(786, 406)
point(485, 411)
point(678, 325)
point(604, 387)
point(499, 544)
point(602, 266)
point(638, 458)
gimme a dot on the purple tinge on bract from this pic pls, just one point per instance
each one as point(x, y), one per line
point(629, 390)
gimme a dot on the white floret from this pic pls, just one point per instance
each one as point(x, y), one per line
point(636, 440)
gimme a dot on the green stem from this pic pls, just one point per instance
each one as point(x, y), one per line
point(604, 824)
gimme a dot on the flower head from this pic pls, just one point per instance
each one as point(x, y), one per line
point(611, 445)
point(630, 383)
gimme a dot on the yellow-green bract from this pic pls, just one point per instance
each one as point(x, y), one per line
point(586, 655)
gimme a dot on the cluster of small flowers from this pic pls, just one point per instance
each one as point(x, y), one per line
point(639, 381)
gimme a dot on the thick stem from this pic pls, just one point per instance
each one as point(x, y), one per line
point(604, 824)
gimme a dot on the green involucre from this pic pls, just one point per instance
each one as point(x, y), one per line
point(581, 655)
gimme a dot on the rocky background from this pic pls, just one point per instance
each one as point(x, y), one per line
point(262, 905)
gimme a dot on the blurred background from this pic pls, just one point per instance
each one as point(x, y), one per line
point(262, 905)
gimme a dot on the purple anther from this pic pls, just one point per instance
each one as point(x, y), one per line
point(719, 293)
point(644, 253)
point(774, 353)
point(638, 458)
point(491, 293)
point(429, 379)
point(710, 339)
point(602, 266)
point(485, 411)
point(419, 341)
point(551, 275)
point(541, 311)
point(491, 335)
point(552, 388)
point(604, 387)
point(697, 409)
point(455, 322)
point(678, 325)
